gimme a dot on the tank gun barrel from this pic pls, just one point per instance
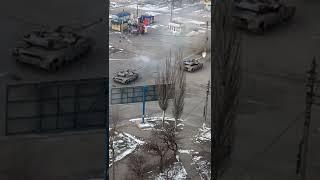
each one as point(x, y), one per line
point(86, 26)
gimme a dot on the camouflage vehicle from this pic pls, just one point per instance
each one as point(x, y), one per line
point(125, 76)
point(51, 49)
point(192, 65)
point(259, 15)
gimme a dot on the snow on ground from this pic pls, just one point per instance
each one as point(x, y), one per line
point(149, 7)
point(180, 124)
point(114, 32)
point(114, 4)
point(185, 151)
point(152, 13)
point(154, 26)
point(204, 134)
point(191, 21)
point(151, 122)
point(145, 126)
point(154, 8)
point(203, 13)
point(124, 144)
point(203, 167)
point(134, 138)
point(114, 50)
point(175, 172)
point(194, 33)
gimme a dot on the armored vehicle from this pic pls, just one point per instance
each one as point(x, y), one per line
point(51, 49)
point(125, 76)
point(192, 65)
point(259, 15)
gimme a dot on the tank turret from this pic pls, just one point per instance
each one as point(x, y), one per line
point(259, 15)
point(125, 76)
point(50, 49)
point(192, 65)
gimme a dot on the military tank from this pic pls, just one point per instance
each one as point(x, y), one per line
point(260, 15)
point(52, 49)
point(192, 65)
point(125, 76)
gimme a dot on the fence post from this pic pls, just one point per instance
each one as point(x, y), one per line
point(144, 102)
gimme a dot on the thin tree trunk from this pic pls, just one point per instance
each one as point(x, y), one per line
point(113, 164)
point(161, 164)
point(175, 125)
point(163, 116)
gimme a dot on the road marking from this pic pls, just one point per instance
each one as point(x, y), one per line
point(112, 59)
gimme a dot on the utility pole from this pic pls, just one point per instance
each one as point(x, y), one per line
point(304, 143)
point(137, 9)
point(172, 1)
point(205, 110)
point(207, 37)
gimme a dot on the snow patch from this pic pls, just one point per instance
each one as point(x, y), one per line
point(204, 134)
point(203, 167)
point(124, 144)
point(154, 26)
point(134, 138)
point(150, 13)
point(149, 7)
point(175, 172)
point(185, 151)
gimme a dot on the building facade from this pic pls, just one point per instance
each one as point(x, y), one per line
point(175, 27)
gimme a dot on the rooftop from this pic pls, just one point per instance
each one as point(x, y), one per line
point(123, 14)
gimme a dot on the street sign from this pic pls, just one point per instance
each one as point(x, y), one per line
point(45, 107)
point(133, 94)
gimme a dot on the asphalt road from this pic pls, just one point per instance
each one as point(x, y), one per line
point(146, 53)
point(273, 96)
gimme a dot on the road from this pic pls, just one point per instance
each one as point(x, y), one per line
point(148, 52)
point(273, 95)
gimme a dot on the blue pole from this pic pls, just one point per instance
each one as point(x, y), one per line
point(144, 102)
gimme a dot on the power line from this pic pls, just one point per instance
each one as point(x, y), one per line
point(206, 104)
point(268, 146)
point(195, 107)
point(304, 143)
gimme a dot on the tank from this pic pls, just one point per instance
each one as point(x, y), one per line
point(125, 76)
point(52, 49)
point(260, 15)
point(192, 65)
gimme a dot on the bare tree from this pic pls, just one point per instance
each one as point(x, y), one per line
point(179, 89)
point(112, 135)
point(164, 88)
point(226, 82)
point(137, 165)
point(168, 136)
point(157, 147)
